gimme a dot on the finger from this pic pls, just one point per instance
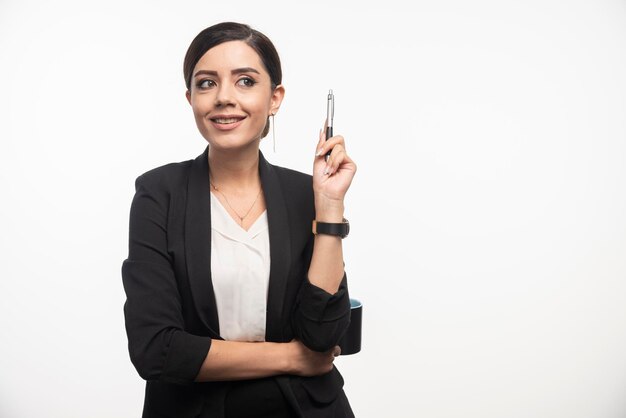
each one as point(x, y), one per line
point(337, 351)
point(331, 143)
point(334, 141)
point(320, 143)
point(337, 157)
point(345, 163)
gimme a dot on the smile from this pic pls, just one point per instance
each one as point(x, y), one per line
point(226, 123)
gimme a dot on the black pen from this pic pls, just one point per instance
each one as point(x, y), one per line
point(330, 113)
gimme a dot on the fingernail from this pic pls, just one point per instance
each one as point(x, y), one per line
point(319, 152)
point(326, 170)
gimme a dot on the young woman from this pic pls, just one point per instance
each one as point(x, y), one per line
point(234, 305)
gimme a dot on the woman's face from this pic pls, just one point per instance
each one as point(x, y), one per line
point(231, 95)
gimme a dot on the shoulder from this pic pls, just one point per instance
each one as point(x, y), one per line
point(295, 183)
point(166, 177)
point(294, 179)
point(297, 190)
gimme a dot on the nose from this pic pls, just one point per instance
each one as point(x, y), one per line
point(224, 95)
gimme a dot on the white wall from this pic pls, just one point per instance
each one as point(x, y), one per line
point(488, 213)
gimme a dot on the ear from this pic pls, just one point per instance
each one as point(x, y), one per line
point(277, 98)
point(188, 96)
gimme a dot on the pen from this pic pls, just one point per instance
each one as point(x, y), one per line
point(330, 113)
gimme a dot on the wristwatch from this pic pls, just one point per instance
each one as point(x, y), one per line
point(341, 229)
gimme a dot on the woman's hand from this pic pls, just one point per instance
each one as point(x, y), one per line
point(332, 178)
point(306, 362)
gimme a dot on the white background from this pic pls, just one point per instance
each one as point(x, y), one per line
point(488, 211)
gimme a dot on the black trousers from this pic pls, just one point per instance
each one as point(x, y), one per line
point(259, 398)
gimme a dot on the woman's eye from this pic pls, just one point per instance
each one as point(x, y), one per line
point(246, 81)
point(205, 84)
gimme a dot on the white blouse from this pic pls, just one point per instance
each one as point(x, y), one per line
point(240, 271)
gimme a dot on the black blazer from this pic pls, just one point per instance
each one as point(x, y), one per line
point(170, 310)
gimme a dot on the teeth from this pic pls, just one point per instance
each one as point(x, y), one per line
point(226, 120)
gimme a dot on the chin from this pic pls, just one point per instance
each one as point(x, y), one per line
point(231, 142)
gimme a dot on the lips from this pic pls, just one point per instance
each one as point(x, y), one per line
point(226, 122)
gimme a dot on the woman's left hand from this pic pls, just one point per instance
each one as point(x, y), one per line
point(332, 178)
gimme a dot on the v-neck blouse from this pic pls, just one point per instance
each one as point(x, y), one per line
point(240, 271)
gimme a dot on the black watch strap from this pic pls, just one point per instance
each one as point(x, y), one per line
point(338, 229)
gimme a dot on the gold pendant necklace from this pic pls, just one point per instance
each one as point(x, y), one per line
point(241, 218)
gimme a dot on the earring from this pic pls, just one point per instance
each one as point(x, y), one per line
point(273, 131)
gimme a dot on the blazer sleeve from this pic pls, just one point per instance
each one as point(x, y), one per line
point(159, 346)
point(320, 318)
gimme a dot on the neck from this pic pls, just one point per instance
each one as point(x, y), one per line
point(237, 171)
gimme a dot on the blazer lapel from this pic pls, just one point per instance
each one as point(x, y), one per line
point(198, 242)
point(280, 248)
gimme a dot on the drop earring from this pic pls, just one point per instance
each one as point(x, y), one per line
point(273, 132)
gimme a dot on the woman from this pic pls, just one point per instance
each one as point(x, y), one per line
point(214, 327)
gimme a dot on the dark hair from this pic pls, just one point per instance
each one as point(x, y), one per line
point(231, 31)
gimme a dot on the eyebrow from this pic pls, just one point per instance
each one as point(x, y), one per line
point(235, 71)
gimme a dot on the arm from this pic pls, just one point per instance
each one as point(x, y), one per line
point(159, 346)
point(331, 180)
point(323, 311)
point(234, 360)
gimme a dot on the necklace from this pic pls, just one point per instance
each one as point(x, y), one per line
point(241, 218)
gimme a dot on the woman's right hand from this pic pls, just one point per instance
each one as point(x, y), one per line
point(306, 362)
